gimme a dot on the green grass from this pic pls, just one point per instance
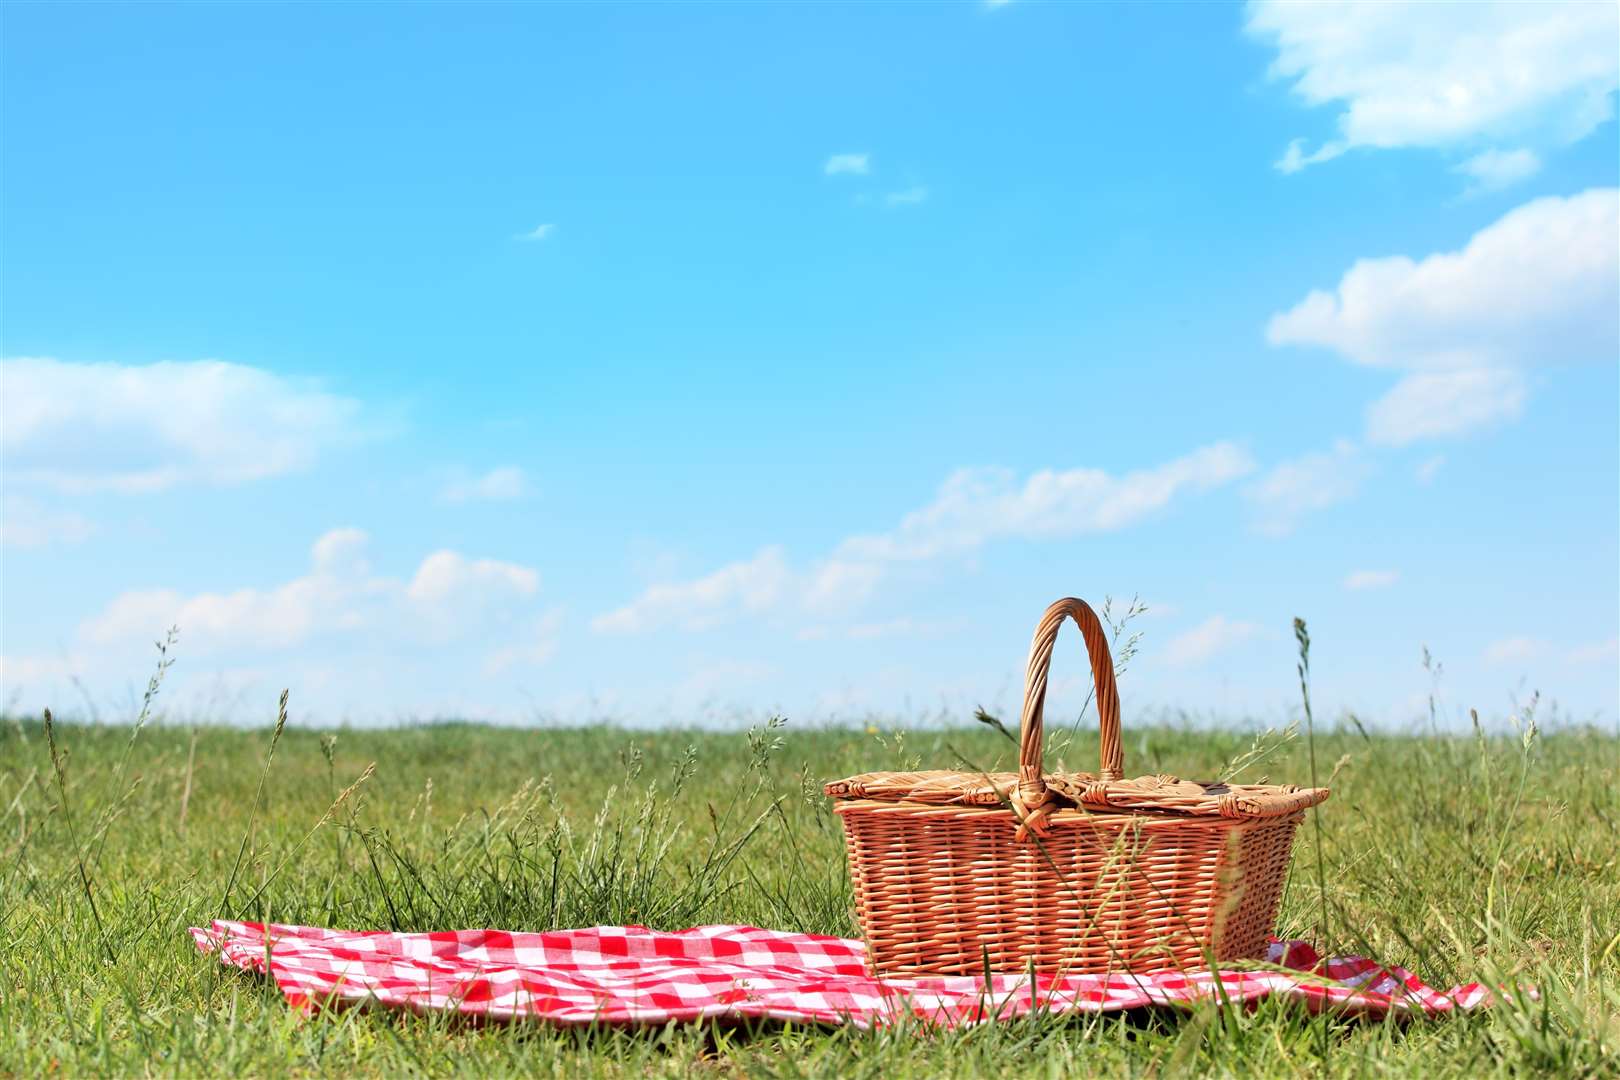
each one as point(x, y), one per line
point(1461, 857)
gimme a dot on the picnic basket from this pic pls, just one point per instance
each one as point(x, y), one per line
point(968, 872)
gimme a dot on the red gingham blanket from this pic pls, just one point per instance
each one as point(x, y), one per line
point(629, 974)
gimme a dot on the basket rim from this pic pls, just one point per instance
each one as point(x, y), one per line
point(1148, 820)
point(1083, 793)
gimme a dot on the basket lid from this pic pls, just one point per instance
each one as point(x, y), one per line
point(1161, 793)
point(1033, 791)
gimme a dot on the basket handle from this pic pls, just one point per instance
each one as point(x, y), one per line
point(1031, 785)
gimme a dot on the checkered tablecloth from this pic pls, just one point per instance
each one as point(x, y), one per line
point(632, 975)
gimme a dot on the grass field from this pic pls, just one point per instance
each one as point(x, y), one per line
point(1461, 856)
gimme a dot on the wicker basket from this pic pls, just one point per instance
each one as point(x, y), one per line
point(962, 873)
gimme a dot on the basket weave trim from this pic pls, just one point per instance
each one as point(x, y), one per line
point(1084, 791)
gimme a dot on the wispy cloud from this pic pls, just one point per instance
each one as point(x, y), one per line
point(902, 627)
point(1288, 491)
point(1438, 404)
point(505, 483)
point(539, 232)
point(973, 507)
point(1295, 158)
point(910, 196)
point(1513, 650)
point(847, 165)
point(26, 524)
point(534, 647)
point(1596, 653)
point(1371, 579)
point(751, 586)
point(1492, 170)
point(1216, 634)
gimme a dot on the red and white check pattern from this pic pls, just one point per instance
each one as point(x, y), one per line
point(629, 974)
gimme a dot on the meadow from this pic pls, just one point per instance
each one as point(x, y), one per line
point(1462, 856)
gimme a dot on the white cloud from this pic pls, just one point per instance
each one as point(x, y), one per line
point(505, 483)
point(139, 428)
point(1216, 634)
point(1521, 649)
point(910, 196)
point(847, 164)
point(1290, 490)
point(17, 672)
point(1295, 158)
point(903, 627)
point(837, 585)
point(1371, 579)
point(973, 507)
point(1437, 404)
point(1536, 286)
point(1429, 468)
point(1511, 650)
point(26, 524)
point(1492, 170)
point(748, 587)
point(448, 595)
point(708, 683)
point(1446, 76)
point(977, 505)
point(539, 232)
point(1596, 653)
point(447, 575)
point(534, 648)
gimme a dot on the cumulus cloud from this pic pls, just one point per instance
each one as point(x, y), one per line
point(504, 483)
point(139, 428)
point(1371, 579)
point(972, 508)
point(1216, 634)
point(1536, 286)
point(1290, 490)
point(448, 594)
point(847, 164)
point(1446, 76)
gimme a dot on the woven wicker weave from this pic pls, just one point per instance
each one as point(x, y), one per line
point(957, 873)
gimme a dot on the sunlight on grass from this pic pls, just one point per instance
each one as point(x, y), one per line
point(1459, 856)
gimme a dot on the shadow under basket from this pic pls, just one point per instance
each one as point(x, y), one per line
point(959, 873)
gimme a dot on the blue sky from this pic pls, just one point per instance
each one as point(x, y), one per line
point(669, 363)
